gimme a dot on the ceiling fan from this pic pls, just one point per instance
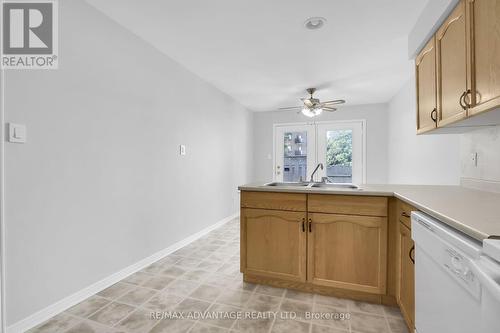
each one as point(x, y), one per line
point(313, 106)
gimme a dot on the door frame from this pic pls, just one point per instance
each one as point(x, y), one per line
point(326, 122)
point(3, 321)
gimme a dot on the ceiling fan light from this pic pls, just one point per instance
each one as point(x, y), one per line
point(318, 111)
point(308, 112)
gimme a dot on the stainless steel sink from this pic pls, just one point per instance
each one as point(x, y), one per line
point(288, 184)
point(336, 185)
point(332, 186)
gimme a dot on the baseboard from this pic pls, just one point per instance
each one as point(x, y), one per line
point(64, 304)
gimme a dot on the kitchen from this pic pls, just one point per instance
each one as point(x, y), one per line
point(250, 167)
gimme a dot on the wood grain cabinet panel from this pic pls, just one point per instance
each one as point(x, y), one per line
point(425, 74)
point(348, 252)
point(273, 243)
point(273, 200)
point(406, 293)
point(347, 204)
point(451, 47)
point(485, 54)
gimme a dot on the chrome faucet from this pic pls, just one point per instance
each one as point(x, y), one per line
point(320, 165)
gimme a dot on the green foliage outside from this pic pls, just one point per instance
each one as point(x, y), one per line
point(339, 148)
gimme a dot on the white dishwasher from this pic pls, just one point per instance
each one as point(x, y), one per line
point(447, 291)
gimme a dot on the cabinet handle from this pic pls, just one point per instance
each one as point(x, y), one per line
point(468, 105)
point(462, 100)
point(434, 115)
point(310, 225)
point(303, 225)
point(404, 214)
point(412, 250)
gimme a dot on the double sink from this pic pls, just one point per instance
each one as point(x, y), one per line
point(332, 186)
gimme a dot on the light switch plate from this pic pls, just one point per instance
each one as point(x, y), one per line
point(17, 133)
point(182, 150)
point(474, 159)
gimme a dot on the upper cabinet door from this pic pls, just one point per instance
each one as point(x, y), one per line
point(485, 53)
point(451, 47)
point(425, 73)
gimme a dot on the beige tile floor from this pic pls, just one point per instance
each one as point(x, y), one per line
point(205, 275)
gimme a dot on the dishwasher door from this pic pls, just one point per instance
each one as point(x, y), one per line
point(487, 270)
point(447, 292)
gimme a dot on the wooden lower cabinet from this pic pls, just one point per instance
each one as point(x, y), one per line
point(273, 243)
point(348, 252)
point(406, 276)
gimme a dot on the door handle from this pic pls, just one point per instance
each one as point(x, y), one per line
point(412, 250)
point(310, 225)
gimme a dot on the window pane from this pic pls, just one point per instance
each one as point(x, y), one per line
point(339, 156)
point(295, 156)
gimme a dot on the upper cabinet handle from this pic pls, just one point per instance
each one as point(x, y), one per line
point(462, 100)
point(303, 225)
point(310, 225)
point(434, 115)
point(467, 93)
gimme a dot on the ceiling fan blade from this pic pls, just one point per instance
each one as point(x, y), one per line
point(337, 101)
point(325, 108)
point(292, 108)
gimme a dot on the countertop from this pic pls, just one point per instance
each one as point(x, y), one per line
point(475, 213)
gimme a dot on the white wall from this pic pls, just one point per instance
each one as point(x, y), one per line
point(486, 143)
point(419, 159)
point(100, 184)
point(376, 132)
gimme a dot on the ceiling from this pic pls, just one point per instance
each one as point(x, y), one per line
point(259, 52)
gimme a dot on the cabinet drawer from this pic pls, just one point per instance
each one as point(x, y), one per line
point(404, 213)
point(280, 201)
point(347, 204)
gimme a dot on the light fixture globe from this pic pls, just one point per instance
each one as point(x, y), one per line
point(312, 112)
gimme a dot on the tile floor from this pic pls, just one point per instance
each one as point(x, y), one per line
point(205, 275)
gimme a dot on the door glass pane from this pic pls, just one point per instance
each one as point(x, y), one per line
point(295, 156)
point(339, 156)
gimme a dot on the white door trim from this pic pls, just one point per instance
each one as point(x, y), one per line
point(326, 122)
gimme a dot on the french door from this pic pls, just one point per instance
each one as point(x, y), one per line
point(295, 154)
point(338, 146)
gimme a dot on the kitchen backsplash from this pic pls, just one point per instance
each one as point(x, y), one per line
point(486, 174)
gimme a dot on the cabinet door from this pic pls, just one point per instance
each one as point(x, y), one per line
point(273, 243)
point(485, 52)
point(425, 73)
point(451, 46)
point(348, 252)
point(406, 294)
